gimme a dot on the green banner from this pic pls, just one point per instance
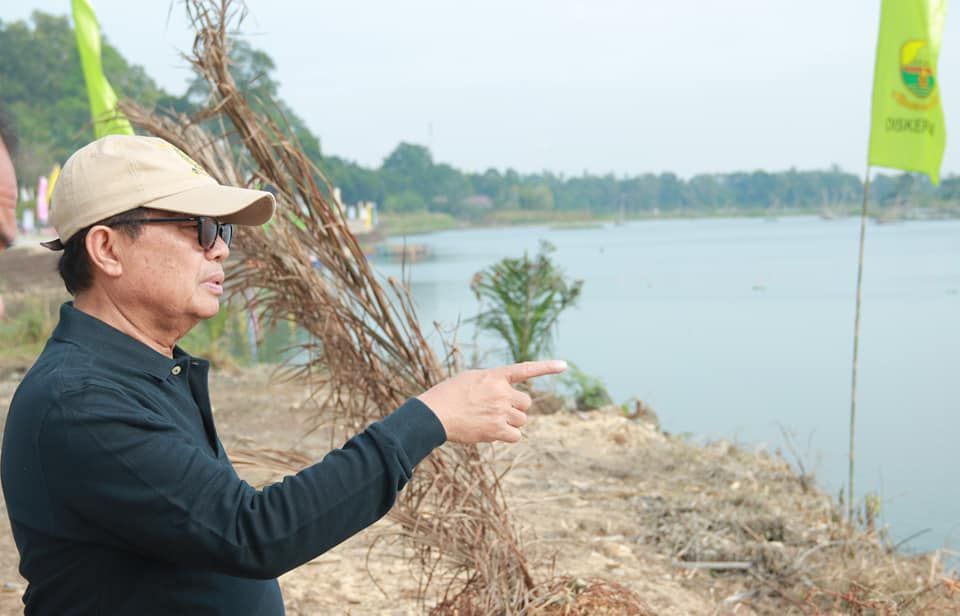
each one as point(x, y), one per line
point(107, 119)
point(907, 129)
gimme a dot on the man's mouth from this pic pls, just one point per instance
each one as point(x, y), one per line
point(214, 284)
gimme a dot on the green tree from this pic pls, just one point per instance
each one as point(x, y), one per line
point(521, 301)
point(448, 189)
point(640, 193)
point(706, 191)
point(253, 71)
point(404, 203)
point(408, 167)
point(589, 392)
point(488, 183)
point(671, 194)
point(356, 183)
point(41, 86)
point(950, 188)
point(535, 197)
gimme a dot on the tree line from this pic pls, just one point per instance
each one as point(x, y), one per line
point(42, 88)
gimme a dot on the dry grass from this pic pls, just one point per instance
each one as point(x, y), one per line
point(569, 596)
point(367, 352)
point(741, 517)
point(767, 543)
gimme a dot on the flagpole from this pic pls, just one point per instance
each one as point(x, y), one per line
point(856, 343)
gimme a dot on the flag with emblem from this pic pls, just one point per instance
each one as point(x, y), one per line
point(107, 119)
point(907, 129)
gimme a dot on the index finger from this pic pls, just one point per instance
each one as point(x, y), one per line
point(531, 369)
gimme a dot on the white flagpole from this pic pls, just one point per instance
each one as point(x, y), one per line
point(856, 343)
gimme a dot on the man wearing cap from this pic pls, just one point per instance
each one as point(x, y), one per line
point(120, 495)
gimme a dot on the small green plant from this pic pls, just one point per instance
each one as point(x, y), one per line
point(521, 300)
point(207, 338)
point(588, 391)
point(213, 338)
point(870, 512)
point(27, 326)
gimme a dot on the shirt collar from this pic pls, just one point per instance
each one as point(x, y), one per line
point(90, 332)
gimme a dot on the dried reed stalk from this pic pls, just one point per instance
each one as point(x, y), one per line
point(367, 352)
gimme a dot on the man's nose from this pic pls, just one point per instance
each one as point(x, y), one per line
point(219, 251)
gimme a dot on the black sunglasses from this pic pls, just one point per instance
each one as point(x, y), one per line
point(207, 228)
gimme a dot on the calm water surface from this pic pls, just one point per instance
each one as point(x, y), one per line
point(738, 328)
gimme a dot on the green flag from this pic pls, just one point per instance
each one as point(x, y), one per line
point(107, 119)
point(907, 129)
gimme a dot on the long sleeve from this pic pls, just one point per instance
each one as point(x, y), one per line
point(133, 481)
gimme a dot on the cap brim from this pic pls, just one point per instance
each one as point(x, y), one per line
point(239, 206)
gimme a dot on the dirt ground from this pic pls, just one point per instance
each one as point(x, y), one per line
point(580, 505)
point(692, 529)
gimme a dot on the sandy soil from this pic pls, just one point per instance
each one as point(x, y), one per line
point(581, 506)
point(29, 269)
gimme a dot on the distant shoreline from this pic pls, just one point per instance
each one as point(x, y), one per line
point(420, 223)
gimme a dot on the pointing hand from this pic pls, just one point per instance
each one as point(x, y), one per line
point(480, 406)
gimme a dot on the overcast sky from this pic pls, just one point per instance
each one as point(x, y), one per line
point(622, 86)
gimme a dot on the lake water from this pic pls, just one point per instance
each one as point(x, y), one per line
point(737, 328)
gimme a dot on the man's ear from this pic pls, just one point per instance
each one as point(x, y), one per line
point(104, 249)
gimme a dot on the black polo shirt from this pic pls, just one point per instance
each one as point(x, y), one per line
point(122, 499)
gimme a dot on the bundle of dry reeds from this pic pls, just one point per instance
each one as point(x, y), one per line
point(367, 352)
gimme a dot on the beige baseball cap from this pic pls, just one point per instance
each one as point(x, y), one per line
point(122, 172)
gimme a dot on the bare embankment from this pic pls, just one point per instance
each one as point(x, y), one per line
point(691, 529)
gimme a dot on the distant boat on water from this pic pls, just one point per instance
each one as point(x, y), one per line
point(406, 252)
point(830, 213)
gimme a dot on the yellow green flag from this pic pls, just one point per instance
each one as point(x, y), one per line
point(54, 176)
point(107, 119)
point(907, 129)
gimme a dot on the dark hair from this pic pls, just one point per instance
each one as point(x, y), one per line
point(8, 132)
point(75, 266)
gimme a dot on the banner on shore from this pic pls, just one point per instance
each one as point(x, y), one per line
point(107, 119)
point(907, 128)
point(43, 210)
